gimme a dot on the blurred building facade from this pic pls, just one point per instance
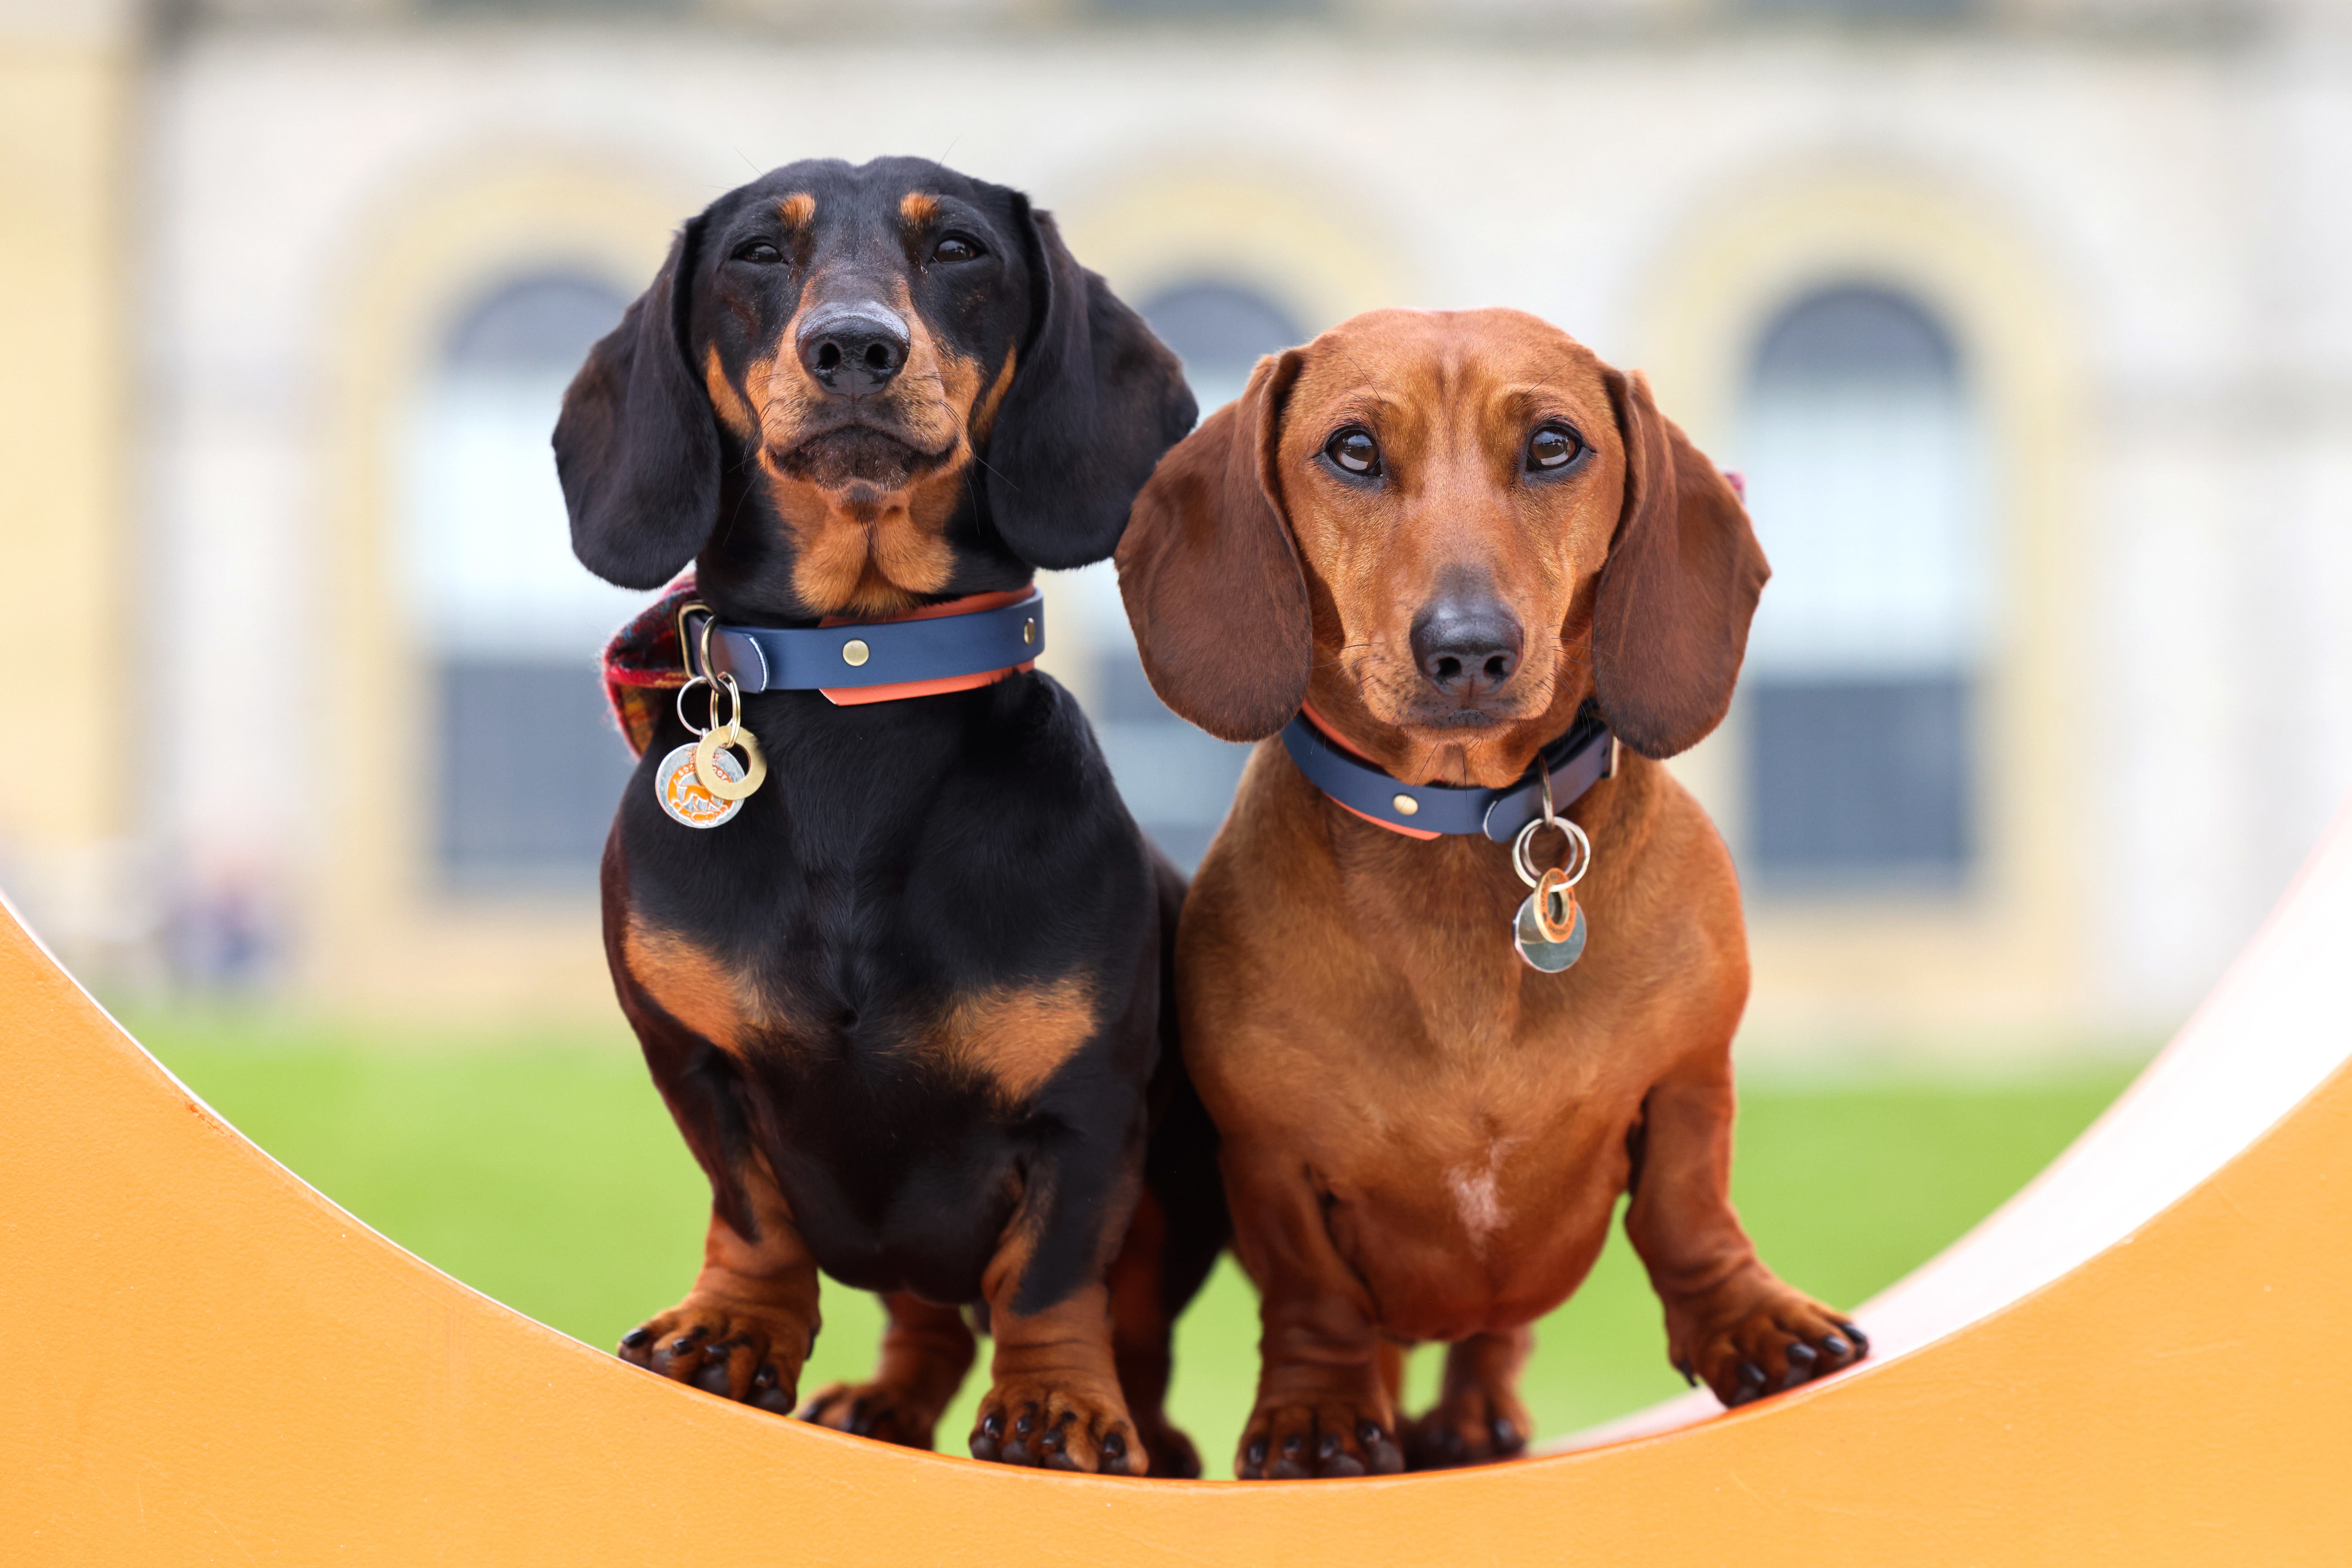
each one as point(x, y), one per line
point(2028, 322)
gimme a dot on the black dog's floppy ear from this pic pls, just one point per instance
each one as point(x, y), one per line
point(1210, 572)
point(636, 447)
point(1670, 620)
point(1094, 400)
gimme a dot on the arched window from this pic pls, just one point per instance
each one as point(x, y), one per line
point(1864, 464)
point(1177, 781)
point(525, 766)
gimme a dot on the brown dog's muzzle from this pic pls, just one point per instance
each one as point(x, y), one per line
point(855, 348)
point(1466, 640)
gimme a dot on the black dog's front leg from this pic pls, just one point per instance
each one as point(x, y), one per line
point(1054, 1399)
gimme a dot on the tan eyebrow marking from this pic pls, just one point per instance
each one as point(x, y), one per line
point(918, 209)
point(797, 209)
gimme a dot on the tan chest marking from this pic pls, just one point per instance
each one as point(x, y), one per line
point(1014, 1038)
point(696, 989)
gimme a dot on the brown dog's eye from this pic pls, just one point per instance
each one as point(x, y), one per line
point(1553, 447)
point(955, 248)
point(759, 251)
point(1354, 450)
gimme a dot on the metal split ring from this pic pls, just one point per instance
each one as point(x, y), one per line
point(1579, 848)
point(734, 701)
point(1579, 859)
point(693, 681)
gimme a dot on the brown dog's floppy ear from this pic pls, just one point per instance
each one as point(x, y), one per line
point(1094, 400)
point(636, 447)
point(1670, 624)
point(1210, 572)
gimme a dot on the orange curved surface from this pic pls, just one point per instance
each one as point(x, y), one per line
point(213, 1364)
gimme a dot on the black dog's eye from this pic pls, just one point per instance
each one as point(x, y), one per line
point(1553, 447)
point(955, 248)
point(759, 251)
point(1354, 450)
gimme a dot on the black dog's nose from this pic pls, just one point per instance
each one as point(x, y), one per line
point(1467, 644)
point(853, 349)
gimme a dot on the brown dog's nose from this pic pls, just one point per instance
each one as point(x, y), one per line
point(1467, 644)
point(853, 350)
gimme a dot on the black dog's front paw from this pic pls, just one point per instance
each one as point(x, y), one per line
point(738, 1349)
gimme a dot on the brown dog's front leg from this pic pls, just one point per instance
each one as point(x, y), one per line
point(745, 1329)
point(1323, 1408)
point(1729, 1321)
point(925, 1350)
point(1477, 1417)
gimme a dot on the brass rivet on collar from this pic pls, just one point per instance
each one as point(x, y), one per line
point(855, 652)
point(1405, 804)
point(1029, 631)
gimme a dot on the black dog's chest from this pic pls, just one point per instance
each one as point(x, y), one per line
point(905, 868)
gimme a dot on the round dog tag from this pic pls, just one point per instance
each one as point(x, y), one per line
point(682, 794)
point(1527, 934)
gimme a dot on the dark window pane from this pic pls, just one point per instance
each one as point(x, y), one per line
point(1176, 781)
point(1219, 330)
point(1854, 333)
point(1861, 781)
point(531, 770)
point(538, 323)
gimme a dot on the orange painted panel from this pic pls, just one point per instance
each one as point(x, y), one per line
point(212, 1364)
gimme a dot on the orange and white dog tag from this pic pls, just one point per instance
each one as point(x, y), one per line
point(683, 794)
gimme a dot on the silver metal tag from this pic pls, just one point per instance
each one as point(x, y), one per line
point(1550, 957)
point(682, 794)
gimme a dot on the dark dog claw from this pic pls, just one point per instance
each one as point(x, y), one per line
point(1689, 1376)
point(1835, 1348)
point(1861, 1340)
point(1752, 1383)
point(1507, 1435)
point(1802, 1360)
point(637, 1339)
point(1114, 1447)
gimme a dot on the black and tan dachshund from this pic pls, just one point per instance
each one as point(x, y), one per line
point(908, 1007)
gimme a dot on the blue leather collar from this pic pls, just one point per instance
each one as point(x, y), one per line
point(881, 653)
point(1578, 760)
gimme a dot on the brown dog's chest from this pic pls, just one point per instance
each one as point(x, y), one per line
point(1465, 1118)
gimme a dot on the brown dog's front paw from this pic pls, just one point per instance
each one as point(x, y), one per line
point(1327, 1437)
point(1058, 1426)
point(732, 1348)
point(877, 1410)
point(1778, 1341)
point(1468, 1426)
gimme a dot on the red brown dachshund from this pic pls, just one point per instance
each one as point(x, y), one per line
point(1450, 536)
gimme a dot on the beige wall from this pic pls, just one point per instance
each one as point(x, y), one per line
point(70, 725)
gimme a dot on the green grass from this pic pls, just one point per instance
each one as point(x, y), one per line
point(547, 1174)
